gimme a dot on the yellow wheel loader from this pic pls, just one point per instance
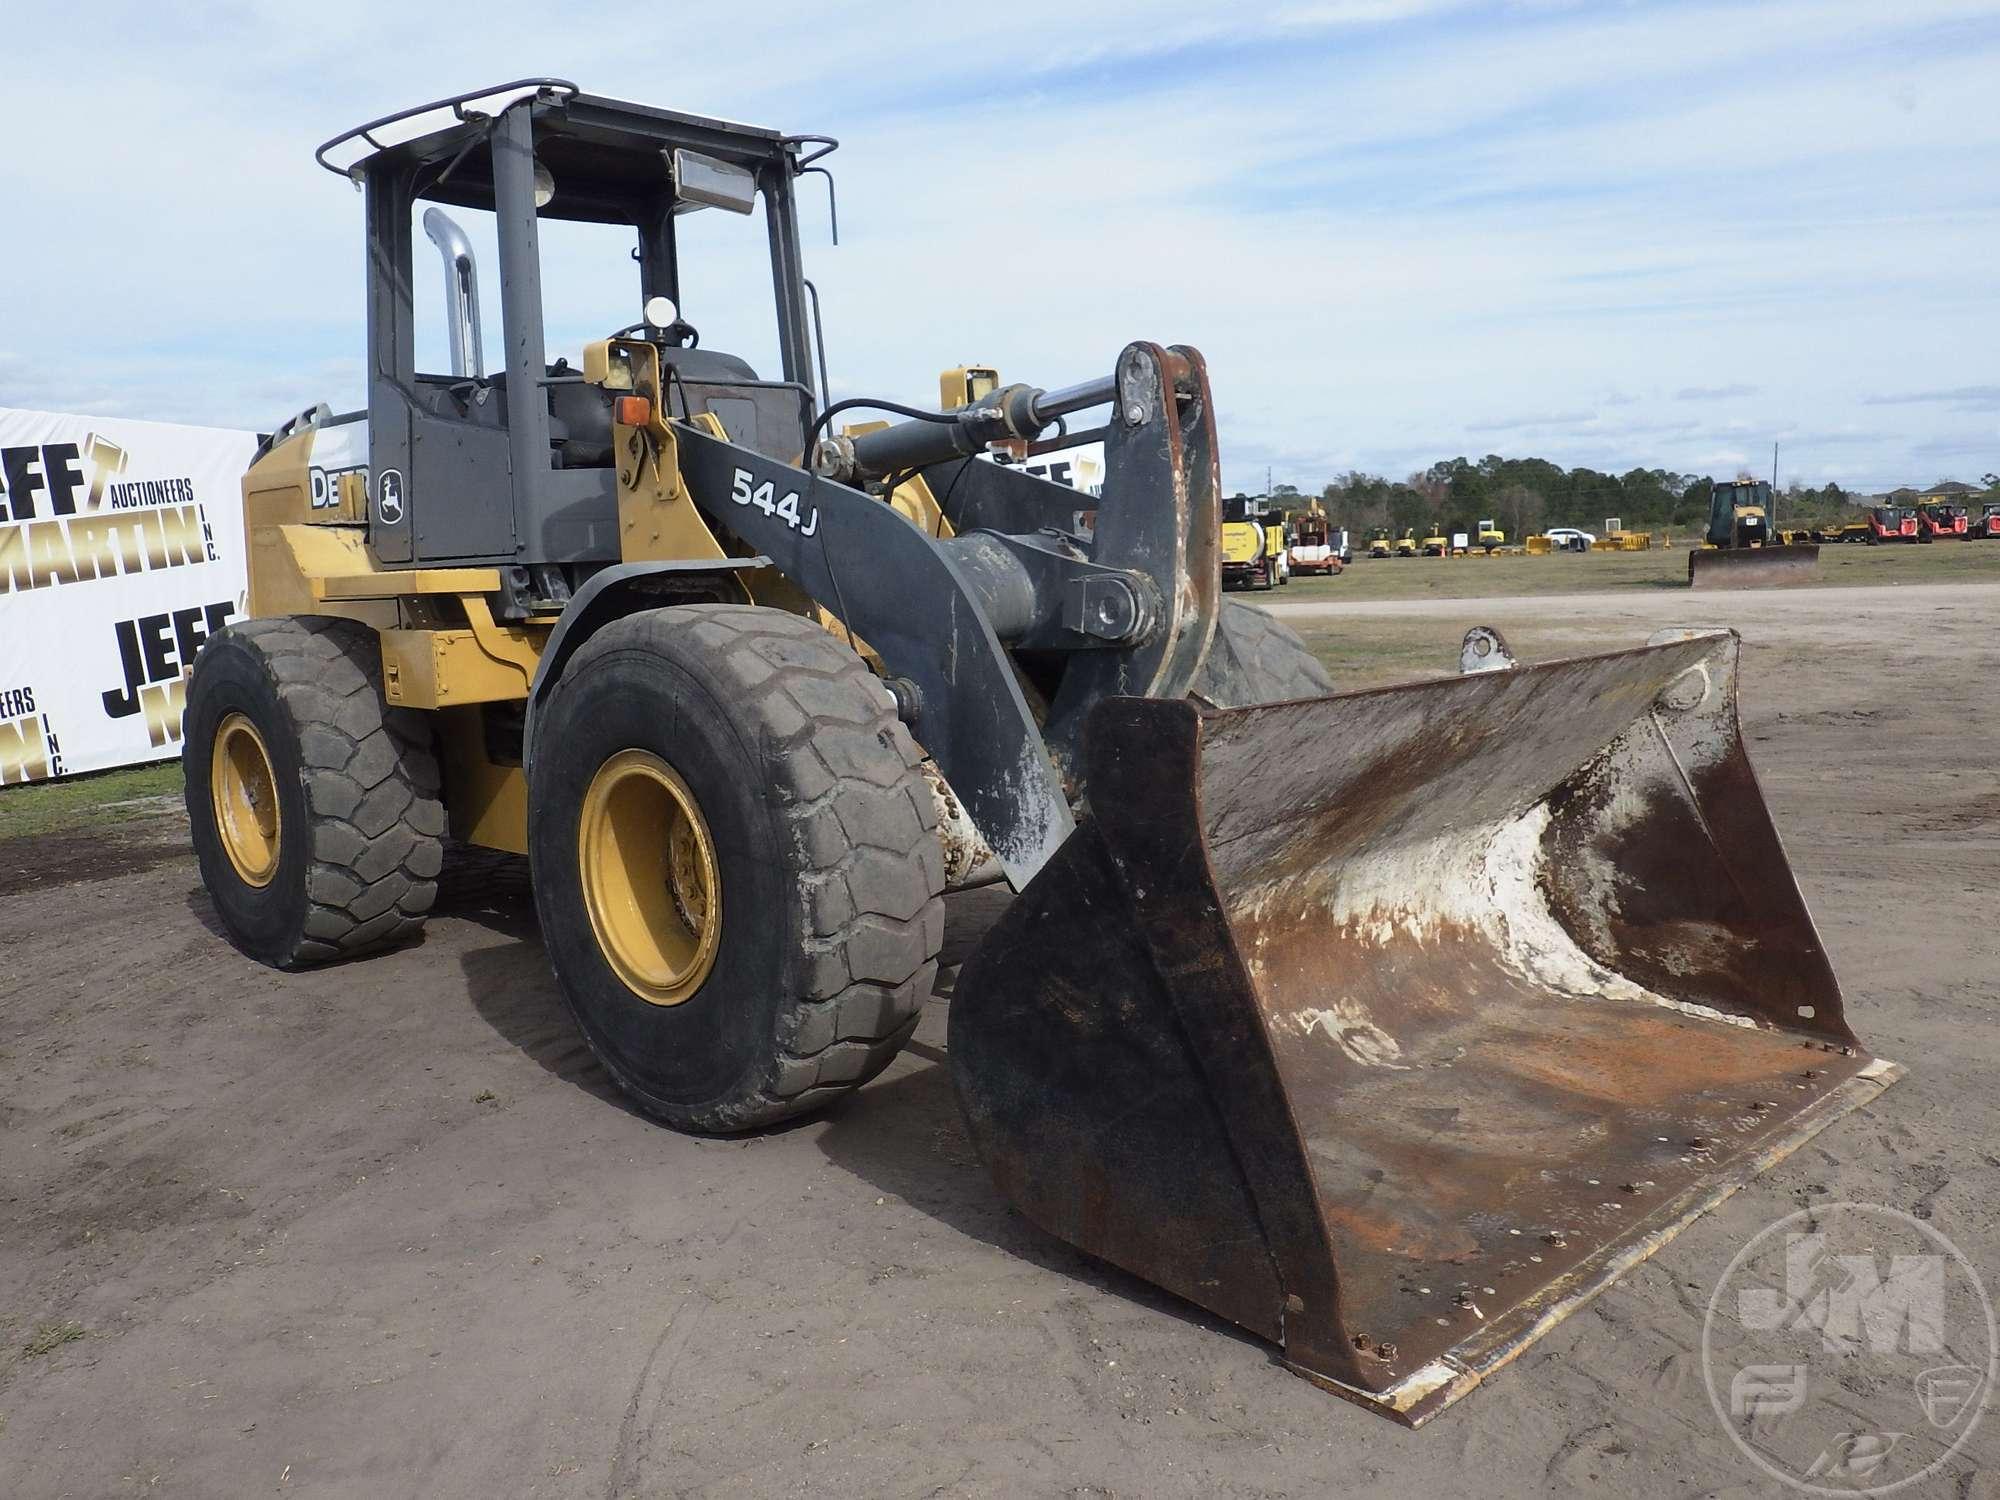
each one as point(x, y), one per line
point(1392, 1068)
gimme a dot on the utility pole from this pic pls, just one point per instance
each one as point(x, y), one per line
point(1774, 486)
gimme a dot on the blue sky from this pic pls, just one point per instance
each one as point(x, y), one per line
point(1607, 234)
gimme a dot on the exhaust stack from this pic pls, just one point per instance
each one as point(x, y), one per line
point(461, 292)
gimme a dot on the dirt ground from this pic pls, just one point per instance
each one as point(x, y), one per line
point(385, 1229)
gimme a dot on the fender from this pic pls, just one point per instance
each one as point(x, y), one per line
point(611, 594)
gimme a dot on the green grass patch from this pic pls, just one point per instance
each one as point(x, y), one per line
point(1367, 651)
point(85, 801)
point(1841, 565)
point(1370, 652)
point(50, 1337)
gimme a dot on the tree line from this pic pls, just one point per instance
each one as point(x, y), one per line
point(1527, 495)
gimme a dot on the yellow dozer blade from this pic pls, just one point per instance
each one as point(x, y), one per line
point(1753, 567)
point(1394, 1025)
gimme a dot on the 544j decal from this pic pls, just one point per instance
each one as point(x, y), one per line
point(744, 490)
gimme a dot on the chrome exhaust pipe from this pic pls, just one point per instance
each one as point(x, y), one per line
point(461, 292)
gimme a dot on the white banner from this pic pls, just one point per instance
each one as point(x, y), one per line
point(121, 551)
point(1081, 467)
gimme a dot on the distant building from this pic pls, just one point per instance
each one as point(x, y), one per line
point(1944, 492)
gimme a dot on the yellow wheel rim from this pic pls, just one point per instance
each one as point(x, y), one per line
point(650, 881)
point(244, 793)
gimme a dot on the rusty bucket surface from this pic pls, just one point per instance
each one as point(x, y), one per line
point(1753, 567)
point(1391, 1026)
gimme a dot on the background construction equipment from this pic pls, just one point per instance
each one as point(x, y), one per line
point(1741, 549)
point(1316, 547)
point(1249, 559)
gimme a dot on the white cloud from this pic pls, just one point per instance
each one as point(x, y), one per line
point(1964, 397)
point(1525, 424)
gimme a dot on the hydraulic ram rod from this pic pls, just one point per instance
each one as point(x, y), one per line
point(1049, 405)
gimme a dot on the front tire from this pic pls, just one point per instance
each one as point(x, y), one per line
point(735, 861)
point(314, 806)
point(1256, 659)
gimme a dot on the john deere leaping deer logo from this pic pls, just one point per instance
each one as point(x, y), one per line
point(389, 500)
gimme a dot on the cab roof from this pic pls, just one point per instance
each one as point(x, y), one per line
point(604, 154)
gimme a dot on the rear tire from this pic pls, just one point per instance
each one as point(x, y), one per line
point(1256, 659)
point(824, 852)
point(331, 826)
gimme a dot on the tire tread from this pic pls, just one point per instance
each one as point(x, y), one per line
point(844, 777)
point(1256, 658)
point(371, 782)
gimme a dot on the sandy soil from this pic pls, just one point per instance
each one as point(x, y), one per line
point(385, 1229)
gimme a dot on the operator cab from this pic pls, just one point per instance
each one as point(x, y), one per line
point(472, 472)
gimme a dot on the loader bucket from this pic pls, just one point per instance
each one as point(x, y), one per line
point(1752, 567)
point(1394, 1025)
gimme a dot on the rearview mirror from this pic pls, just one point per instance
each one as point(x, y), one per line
point(704, 181)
